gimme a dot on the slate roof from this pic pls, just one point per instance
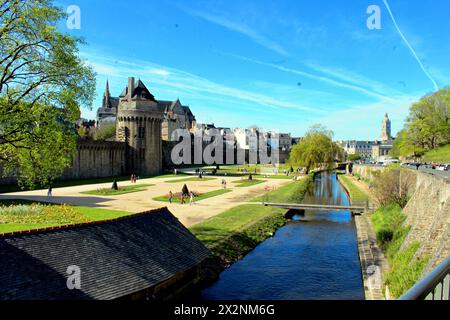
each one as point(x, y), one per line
point(116, 258)
point(139, 90)
point(169, 106)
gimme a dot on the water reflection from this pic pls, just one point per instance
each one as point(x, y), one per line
point(313, 257)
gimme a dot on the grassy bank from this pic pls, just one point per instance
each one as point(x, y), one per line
point(405, 271)
point(233, 233)
point(122, 190)
point(20, 215)
point(203, 196)
point(293, 192)
point(356, 194)
point(440, 155)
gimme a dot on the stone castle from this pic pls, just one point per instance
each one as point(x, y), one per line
point(142, 144)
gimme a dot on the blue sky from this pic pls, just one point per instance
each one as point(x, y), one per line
point(281, 65)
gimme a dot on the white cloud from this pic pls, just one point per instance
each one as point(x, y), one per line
point(184, 82)
point(327, 80)
point(159, 72)
point(359, 121)
point(254, 35)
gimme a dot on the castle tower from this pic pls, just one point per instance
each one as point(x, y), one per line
point(386, 129)
point(139, 125)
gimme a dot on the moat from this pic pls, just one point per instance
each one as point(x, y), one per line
point(315, 256)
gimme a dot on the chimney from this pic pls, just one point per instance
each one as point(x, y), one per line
point(130, 88)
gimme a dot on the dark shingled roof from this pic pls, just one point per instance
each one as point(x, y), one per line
point(139, 90)
point(116, 258)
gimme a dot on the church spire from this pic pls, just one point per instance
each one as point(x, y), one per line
point(106, 96)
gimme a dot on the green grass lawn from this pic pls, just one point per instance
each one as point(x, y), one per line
point(247, 183)
point(440, 155)
point(122, 190)
point(193, 179)
point(73, 183)
point(218, 228)
point(201, 197)
point(404, 271)
point(236, 171)
point(293, 192)
point(19, 215)
point(274, 176)
point(356, 194)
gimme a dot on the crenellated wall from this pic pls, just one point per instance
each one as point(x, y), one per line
point(97, 159)
point(93, 159)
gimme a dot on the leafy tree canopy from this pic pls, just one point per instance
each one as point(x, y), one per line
point(316, 149)
point(354, 157)
point(105, 131)
point(43, 84)
point(428, 123)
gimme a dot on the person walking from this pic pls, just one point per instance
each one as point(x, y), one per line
point(114, 186)
point(170, 196)
point(49, 192)
point(192, 199)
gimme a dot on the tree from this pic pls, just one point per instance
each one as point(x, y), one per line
point(105, 131)
point(354, 157)
point(428, 124)
point(43, 84)
point(393, 185)
point(315, 150)
point(402, 146)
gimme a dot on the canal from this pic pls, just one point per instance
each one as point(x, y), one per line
point(315, 256)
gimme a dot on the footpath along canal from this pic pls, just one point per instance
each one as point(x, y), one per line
point(315, 256)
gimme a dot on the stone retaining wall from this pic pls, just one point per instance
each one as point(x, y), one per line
point(428, 213)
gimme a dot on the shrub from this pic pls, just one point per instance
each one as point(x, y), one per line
point(392, 186)
point(384, 236)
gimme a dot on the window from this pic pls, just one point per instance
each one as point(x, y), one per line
point(141, 133)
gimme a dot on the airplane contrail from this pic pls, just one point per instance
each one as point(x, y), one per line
point(409, 46)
